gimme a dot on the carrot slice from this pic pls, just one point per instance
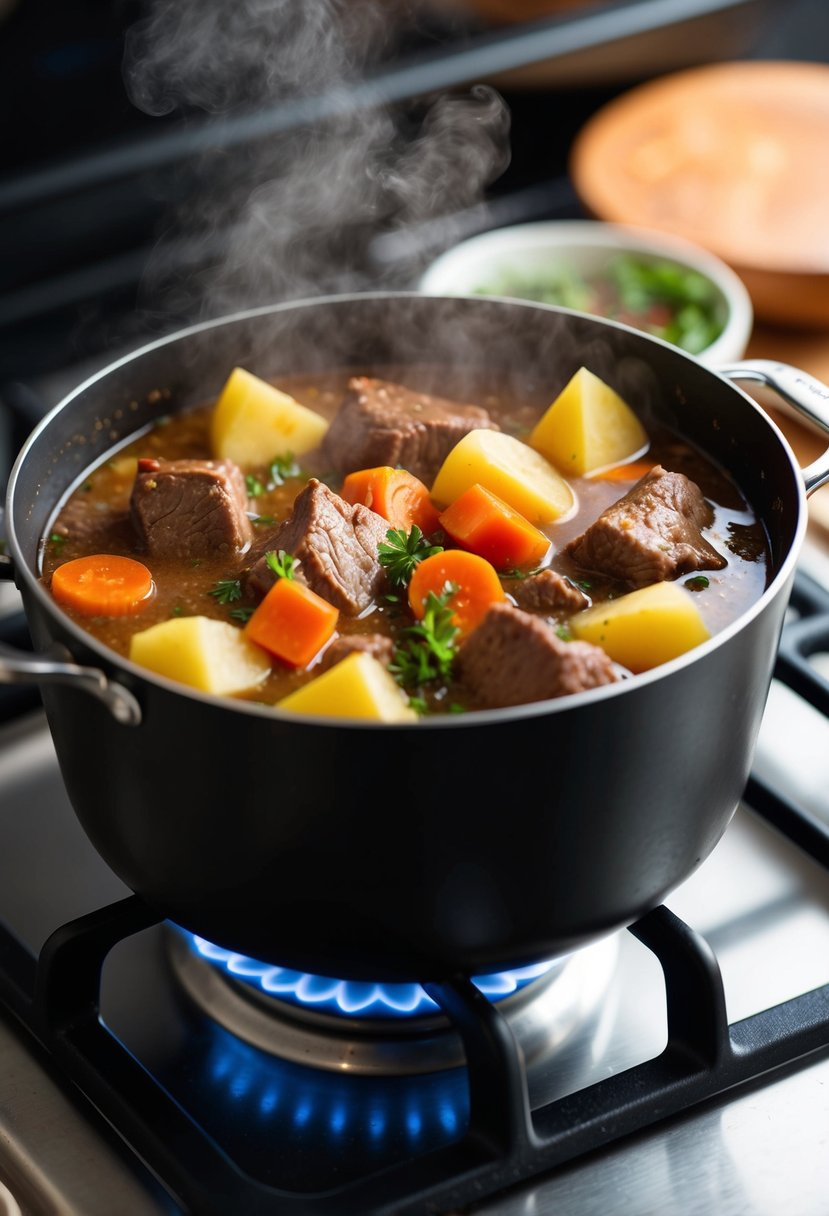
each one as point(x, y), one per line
point(396, 494)
point(483, 523)
point(103, 584)
point(292, 622)
point(625, 472)
point(475, 580)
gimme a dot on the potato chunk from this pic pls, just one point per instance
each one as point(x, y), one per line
point(505, 466)
point(212, 656)
point(645, 628)
point(588, 427)
point(253, 422)
point(356, 687)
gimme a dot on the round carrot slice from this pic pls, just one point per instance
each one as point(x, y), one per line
point(475, 582)
point(103, 585)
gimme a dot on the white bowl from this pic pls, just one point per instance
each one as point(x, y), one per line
point(587, 247)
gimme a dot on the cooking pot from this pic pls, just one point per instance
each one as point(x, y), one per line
point(459, 844)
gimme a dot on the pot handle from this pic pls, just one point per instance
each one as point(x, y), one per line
point(802, 396)
point(56, 667)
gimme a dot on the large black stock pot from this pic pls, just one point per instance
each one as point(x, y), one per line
point(509, 835)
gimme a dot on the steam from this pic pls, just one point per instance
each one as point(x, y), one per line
point(293, 214)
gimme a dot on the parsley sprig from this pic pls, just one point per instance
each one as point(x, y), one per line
point(226, 590)
point(425, 651)
point(401, 553)
point(281, 469)
point(282, 564)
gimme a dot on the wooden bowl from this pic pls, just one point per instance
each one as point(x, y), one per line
point(733, 157)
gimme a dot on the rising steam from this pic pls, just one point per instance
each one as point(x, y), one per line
point(292, 214)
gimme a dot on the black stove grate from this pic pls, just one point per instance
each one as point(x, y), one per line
point(57, 999)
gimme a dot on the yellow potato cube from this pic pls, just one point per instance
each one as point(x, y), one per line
point(253, 422)
point(588, 427)
point(356, 687)
point(212, 656)
point(645, 628)
point(509, 468)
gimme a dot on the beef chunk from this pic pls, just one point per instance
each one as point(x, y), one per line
point(651, 534)
point(513, 657)
point(377, 645)
point(548, 592)
point(336, 545)
point(190, 508)
point(380, 423)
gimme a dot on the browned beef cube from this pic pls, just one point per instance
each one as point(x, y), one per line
point(651, 534)
point(513, 658)
point(378, 645)
point(380, 423)
point(190, 508)
point(548, 592)
point(336, 545)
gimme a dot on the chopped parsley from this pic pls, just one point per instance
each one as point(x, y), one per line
point(282, 564)
point(516, 573)
point(401, 553)
point(564, 633)
point(243, 613)
point(258, 520)
point(57, 542)
point(425, 651)
point(226, 590)
point(253, 486)
point(698, 583)
point(281, 469)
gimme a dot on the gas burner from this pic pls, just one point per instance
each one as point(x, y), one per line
point(368, 1032)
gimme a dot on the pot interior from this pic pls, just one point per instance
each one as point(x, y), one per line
point(522, 345)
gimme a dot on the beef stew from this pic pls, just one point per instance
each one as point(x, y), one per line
point(683, 516)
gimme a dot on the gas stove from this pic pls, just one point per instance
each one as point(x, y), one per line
point(680, 1064)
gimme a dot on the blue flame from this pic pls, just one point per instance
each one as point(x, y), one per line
point(416, 1113)
point(351, 998)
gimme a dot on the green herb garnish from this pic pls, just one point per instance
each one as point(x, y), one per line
point(425, 651)
point(57, 542)
point(253, 486)
point(243, 614)
point(257, 520)
point(402, 552)
point(698, 583)
point(281, 564)
point(226, 590)
point(564, 633)
point(281, 469)
point(519, 574)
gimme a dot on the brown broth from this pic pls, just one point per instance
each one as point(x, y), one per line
point(99, 509)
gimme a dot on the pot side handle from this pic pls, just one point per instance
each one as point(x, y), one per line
point(802, 396)
point(21, 667)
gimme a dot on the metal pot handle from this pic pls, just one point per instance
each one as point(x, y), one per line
point(21, 667)
point(802, 396)
point(57, 667)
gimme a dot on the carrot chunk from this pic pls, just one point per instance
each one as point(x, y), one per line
point(474, 580)
point(292, 622)
point(483, 523)
point(396, 494)
point(103, 584)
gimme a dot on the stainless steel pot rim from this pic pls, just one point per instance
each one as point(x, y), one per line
point(117, 665)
